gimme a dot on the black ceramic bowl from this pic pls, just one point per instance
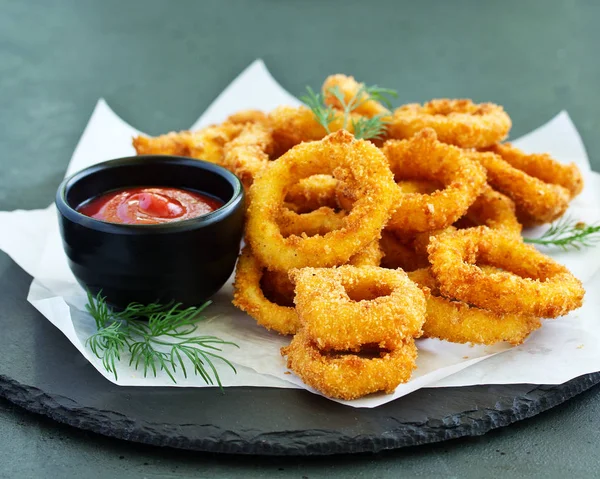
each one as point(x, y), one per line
point(184, 261)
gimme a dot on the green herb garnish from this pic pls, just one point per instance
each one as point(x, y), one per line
point(567, 233)
point(364, 128)
point(156, 337)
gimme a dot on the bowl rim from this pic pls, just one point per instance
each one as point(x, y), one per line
point(66, 210)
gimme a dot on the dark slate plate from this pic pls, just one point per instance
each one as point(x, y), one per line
point(42, 372)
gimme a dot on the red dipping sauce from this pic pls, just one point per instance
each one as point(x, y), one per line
point(149, 205)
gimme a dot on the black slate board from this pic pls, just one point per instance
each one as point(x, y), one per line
point(42, 372)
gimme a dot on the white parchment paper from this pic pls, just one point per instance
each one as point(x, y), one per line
point(561, 350)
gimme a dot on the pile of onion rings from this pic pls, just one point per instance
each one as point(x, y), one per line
point(334, 222)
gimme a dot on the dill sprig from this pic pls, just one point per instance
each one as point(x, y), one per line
point(156, 337)
point(364, 128)
point(566, 233)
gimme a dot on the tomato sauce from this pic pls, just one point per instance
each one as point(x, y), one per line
point(148, 205)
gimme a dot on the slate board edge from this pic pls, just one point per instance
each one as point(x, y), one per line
point(112, 424)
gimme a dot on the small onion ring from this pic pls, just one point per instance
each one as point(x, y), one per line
point(458, 322)
point(349, 376)
point(347, 307)
point(359, 164)
point(249, 297)
point(424, 157)
point(456, 122)
point(530, 283)
point(349, 88)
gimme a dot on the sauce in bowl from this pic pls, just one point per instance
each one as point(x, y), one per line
point(149, 205)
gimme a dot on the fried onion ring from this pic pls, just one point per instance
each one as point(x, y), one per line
point(347, 307)
point(543, 167)
point(456, 122)
point(359, 164)
point(249, 297)
point(249, 154)
point(206, 144)
point(537, 202)
point(349, 88)
point(495, 210)
point(248, 116)
point(528, 283)
point(349, 376)
point(424, 157)
point(458, 322)
point(397, 254)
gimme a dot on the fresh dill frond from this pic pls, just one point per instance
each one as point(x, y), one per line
point(156, 337)
point(370, 128)
point(323, 113)
point(567, 233)
point(364, 128)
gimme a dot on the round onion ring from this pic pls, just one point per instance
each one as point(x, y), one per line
point(456, 122)
point(360, 165)
point(458, 322)
point(347, 307)
point(349, 376)
point(249, 297)
point(537, 202)
point(530, 283)
point(424, 157)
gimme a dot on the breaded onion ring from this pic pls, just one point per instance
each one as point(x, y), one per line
point(543, 167)
point(249, 116)
point(370, 255)
point(312, 193)
point(249, 297)
point(249, 154)
point(397, 254)
point(495, 210)
point(294, 125)
point(528, 283)
point(206, 144)
point(458, 322)
point(456, 122)
point(359, 164)
point(537, 202)
point(424, 157)
point(347, 307)
point(349, 88)
point(346, 375)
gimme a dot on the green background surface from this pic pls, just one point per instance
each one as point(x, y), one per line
point(159, 64)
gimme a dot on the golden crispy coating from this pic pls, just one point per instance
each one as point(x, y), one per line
point(346, 375)
point(543, 167)
point(249, 297)
point(206, 144)
point(458, 322)
point(249, 153)
point(536, 202)
point(456, 122)
point(495, 210)
point(371, 255)
point(249, 116)
point(358, 164)
point(528, 282)
point(349, 88)
point(424, 157)
point(312, 193)
point(401, 254)
point(347, 307)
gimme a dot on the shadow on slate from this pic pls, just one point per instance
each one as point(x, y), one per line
point(42, 372)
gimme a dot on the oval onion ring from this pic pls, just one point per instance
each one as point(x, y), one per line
point(537, 202)
point(458, 322)
point(349, 376)
point(456, 122)
point(543, 167)
point(249, 297)
point(347, 307)
point(360, 164)
point(531, 283)
point(424, 157)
